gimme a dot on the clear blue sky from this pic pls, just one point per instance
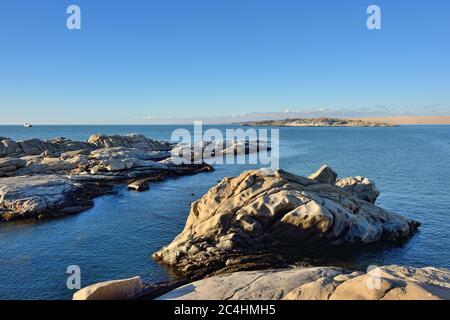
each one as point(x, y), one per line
point(201, 58)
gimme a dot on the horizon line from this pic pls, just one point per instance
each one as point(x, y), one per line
point(206, 122)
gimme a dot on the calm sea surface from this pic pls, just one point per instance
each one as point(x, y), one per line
point(410, 164)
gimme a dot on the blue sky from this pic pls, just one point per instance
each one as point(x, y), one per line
point(136, 60)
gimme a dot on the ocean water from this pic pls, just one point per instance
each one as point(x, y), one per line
point(115, 239)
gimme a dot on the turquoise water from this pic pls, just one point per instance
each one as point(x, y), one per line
point(115, 239)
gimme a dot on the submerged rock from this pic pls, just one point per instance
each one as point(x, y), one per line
point(321, 283)
point(268, 211)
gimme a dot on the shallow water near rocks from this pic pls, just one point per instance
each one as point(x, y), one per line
point(410, 165)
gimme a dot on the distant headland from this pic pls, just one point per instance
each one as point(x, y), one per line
point(318, 122)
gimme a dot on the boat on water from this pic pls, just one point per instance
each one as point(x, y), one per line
point(27, 125)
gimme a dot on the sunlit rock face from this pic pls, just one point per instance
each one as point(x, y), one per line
point(273, 211)
point(321, 283)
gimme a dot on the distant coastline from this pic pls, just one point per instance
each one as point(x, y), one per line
point(352, 122)
point(409, 120)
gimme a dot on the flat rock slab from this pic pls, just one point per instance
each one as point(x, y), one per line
point(45, 196)
point(321, 283)
point(124, 289)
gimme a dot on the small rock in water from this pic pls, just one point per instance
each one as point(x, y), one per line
point(139, 185)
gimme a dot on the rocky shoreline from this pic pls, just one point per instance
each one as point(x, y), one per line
point(239, 238)
point(46, 179)
point(317, 122)
point(291, 283)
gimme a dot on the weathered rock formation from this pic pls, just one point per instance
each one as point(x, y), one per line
point(259, 215)
point(321, 283)
point(317, 122)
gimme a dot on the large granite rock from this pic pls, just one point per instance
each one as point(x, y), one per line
point(267, 211)
point(321, 283)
